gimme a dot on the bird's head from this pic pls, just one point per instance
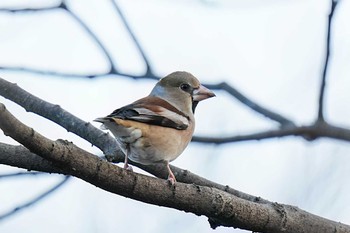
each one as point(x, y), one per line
point(182, 90)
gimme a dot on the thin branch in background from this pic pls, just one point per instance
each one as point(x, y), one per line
point(149, 71)
point(94, 37)
point(325, 68)
point(29, 10)
point(251, 104)
point(149, 74)
point(49, 72)
point(35, 200)
point(21, 174)
point(71, 75)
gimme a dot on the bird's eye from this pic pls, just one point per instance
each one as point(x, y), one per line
point(185, 87)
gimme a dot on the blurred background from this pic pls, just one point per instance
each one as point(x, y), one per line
point(272, 51)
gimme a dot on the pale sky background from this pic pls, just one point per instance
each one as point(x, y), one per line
point(272, 51)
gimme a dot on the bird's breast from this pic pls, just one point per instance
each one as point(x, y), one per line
point(151, 143)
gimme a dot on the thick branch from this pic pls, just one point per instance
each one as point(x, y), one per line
point(220, 207)
point(19, 156)
point(63, 118)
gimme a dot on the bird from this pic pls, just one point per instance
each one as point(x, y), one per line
point(158, 127)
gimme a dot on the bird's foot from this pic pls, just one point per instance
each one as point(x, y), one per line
point(128, 167)
point(171, 179)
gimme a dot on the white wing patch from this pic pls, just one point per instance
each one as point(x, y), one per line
point(163, 112)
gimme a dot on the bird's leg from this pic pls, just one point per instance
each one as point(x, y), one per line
point(171, 177)
point(126, 165)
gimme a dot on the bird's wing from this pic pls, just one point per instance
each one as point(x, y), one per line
point(154, 111)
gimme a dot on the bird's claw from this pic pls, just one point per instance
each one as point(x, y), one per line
point(128, 167)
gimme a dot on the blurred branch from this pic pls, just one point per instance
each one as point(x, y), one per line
point(148, 74)
point(220, 207)
point(93, 36)
point(325, 68)
point(149, 71)
point(113, 70)
point(20, 174)
point(29, 10)
point(35, 200)
point(251, 104)
point(310, 132)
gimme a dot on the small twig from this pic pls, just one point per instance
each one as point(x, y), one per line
point(325, 68)
point(251, 104)
point(21, 174)
point(29, 10)
point(309, 132)
point(50, 72)
point(149, 71)
point(94, 38)
point(35, 200)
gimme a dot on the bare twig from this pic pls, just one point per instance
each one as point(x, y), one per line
point(35, 200)
point(221, 208)
point(310, 132)
point(20, 174)
point(94, 37)
point(251, 104)
point(29, 10)
point(149, 71)
point(325, 68)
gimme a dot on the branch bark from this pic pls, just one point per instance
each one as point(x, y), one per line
point(222, 208)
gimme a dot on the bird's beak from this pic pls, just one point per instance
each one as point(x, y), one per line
point(202, 93)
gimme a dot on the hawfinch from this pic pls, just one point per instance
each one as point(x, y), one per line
point(157, 128)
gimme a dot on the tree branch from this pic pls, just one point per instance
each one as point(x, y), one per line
point(35, 200)
point(29, 10)
point(251, 104)
point(310, 133)
point(19, 174)
point(93, 36)
point(325, 68)
point(95, 136)
point(108, 145)
point(149, 71)
point(21, 157)
point(55, 113)
point(221, 208)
